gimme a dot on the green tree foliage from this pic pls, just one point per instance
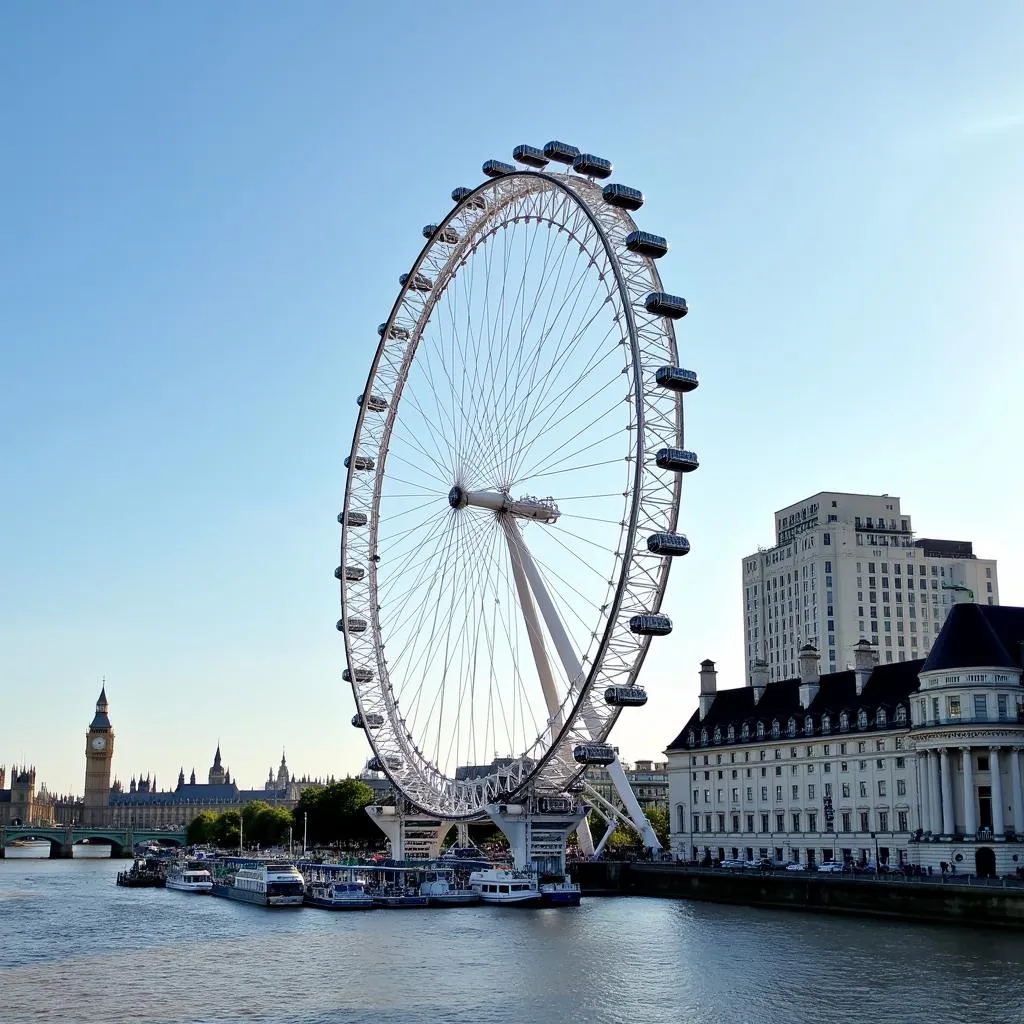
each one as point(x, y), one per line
point(336, 815)
point(200, 831)
point(226, 830)
point(264, 825)
point(658, 817)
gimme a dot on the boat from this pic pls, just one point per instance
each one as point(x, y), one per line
point(339, 895)
point(441, 890)
point(145, 873)
point(399, 897)
point(185, 876)
point(25, 849)
point(503, 887)
point(272, 884)
point(560, 892)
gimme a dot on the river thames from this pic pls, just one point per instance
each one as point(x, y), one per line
point(74, 947)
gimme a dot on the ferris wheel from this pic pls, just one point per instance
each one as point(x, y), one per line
point(513, 487)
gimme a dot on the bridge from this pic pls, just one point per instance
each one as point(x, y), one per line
point(63, 838)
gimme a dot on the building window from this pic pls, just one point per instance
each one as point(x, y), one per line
point(735, 823)
point(901, 817)
point(764, 793)
point(881, 718)
point(863, 788)
point(901, 787)
point(812, 822)
point(775, 729)
point(862, 719)
point(796, 821)
point(778, 793)
point(844, 723)
point(980, 707)
point(883, 821)
point(953, 707)
point(796, 792)
point(764, 822)
point(881, 788)
point(721, 823)
point(750, 823)
point(826, 724)
point(847, 824)
point(731, 733)
point(780, 823)
point(864, 822)
point(696, 823)
point(901, 715)
point(760, 732)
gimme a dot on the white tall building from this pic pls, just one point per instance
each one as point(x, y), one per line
point(847, 567)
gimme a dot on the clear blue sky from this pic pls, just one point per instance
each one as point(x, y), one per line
point(204, 210)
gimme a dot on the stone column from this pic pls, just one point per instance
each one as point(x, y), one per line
point(970, 815)
point(998, 821)
point(1018, 792)
point(948, 825)
point(934, 792)
point(924, 796)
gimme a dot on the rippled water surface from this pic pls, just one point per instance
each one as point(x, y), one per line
point(74, 947)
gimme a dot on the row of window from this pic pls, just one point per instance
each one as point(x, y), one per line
point(798, 822)
point(864, 720)
point(881, 785)
point(810, 750)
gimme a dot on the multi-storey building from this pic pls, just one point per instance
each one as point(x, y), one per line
point(918, 761)
point(846, 567)
point(647, 779)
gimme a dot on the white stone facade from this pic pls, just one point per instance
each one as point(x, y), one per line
point(846, 567)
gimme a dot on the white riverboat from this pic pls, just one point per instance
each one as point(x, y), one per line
point(441, 890)
point(187, 877)
point(503, 887)
point(339, 895)
point(271, 884)
point(560, 892)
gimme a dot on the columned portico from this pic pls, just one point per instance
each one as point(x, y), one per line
point(948, 826)
point(924, 764)
point(934, 792)
point(998, 819)
point(1017, 789)
point(970, 803)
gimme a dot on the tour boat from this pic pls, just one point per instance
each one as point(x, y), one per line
point(440, 889)
point(145, 873)
point(560, 892)
point(187, 877)
point(501, 886)
point(268, 885)
point(339, 896)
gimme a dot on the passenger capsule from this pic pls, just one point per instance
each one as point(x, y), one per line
point(496, 168)
point(355, 625)
point(651, 624)
point(662, 304)
point(361, 675)
point(417, 282)
point(623, 196)
point(352, 573)
point(671, 544)
point(643, 243)
point(377, 764)
point(461, 193)
point(676, 459)
point(396, 332)
point(594, 753)
point(561, 151)
point(592, 166)
point(359, 462)
point(530, 155)
point(675, 378)
point(374, 403)
point(353, 518)
point(576, 787)
point(625, 696)
point(447, 235)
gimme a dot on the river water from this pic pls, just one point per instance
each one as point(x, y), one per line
point(76, 948)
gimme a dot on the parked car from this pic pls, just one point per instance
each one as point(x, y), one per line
point(795, 867)
point(831, 867)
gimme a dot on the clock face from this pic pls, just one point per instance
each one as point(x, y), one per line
point(99, 743)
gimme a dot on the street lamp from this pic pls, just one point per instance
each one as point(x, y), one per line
point(305, 829)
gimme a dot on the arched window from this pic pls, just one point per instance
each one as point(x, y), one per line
point(760, 730)
point(881, 718)
point(731, 733)
point(844, 721)
point(775, 728)
point(690, 738)
point(808, 726)
point(901, 715)
point(681, 817)
point(791, 727)
point(718, 734)
point(862, 719)
point(826, 723)
point(703, 737)
point(745, 732)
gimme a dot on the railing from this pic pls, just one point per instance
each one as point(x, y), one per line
point(986, 719)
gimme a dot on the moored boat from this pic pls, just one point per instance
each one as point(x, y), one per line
point(503, 887)
point(339, 896)
point(441, 890)
point(399, 897)
point(560, 892)
point(265, 884)
point(145, 873)
point(188, 877)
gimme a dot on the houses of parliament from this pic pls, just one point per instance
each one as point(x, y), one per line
point(106, 803)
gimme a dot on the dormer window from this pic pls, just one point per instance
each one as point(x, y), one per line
point(826, 723)
point(745, 731)
point(791, 727)
point(881, 718)
point(901, 715)
point(718, 734)
point(844, 721)
point(808, 726)
point(731, 733)
point(776, 731)
point(760, 730)
point(691, 738)
point(703, 737)
point(862, 719)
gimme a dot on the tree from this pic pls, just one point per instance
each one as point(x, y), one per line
point(264, 825)
point(336, 814)
point(658, 817)
point(227, 830)
point(201, 829)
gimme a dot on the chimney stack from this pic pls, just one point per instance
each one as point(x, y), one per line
point(810, 674)
point(708, 686)
point(759, 677)
point(865, 658)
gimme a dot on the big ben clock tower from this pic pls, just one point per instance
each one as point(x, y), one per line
point(99, 753)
